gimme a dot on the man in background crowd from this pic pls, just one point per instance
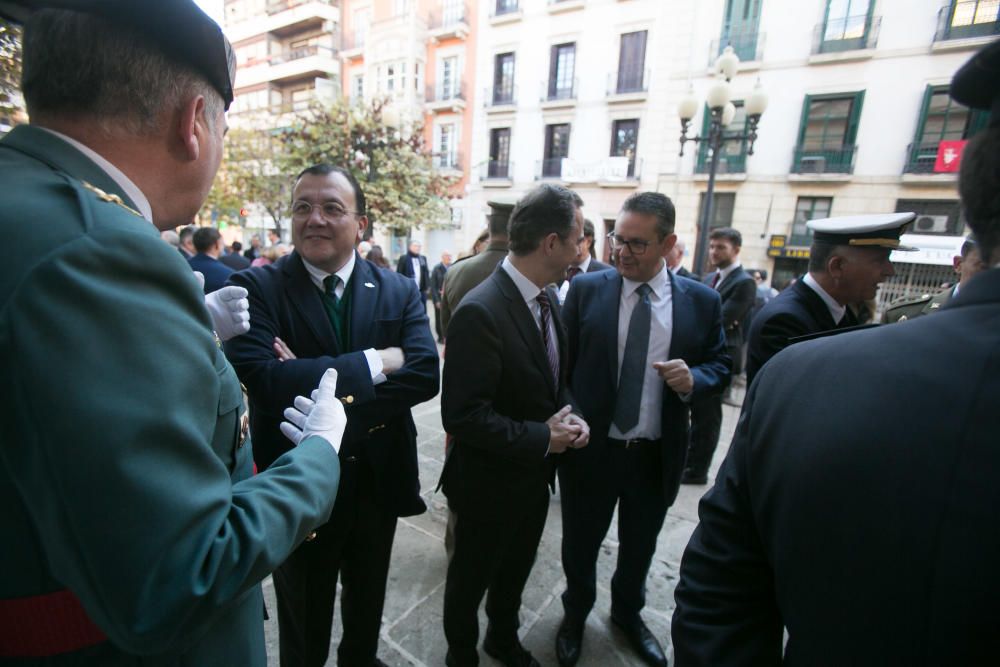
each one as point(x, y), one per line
point(209, 246)
point(437, 289)
point(967, 263)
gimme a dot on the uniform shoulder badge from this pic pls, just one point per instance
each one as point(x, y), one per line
point(110, 198)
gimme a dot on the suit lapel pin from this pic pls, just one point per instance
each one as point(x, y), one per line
point(369, 285)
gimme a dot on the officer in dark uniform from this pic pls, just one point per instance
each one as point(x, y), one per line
point(967, 264)
point(849, 257)
point(854, 521)
point(133, 529)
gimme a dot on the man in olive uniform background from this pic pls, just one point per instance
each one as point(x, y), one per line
point(133, 529)
point(967, 263)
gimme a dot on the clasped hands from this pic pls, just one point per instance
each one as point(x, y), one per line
point(567, 431)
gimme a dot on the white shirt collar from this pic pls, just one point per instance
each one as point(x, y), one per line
point(116, 174)
point(585, 264)
point(724, 273)
point(660, 283)
point(836, 310)
point(318, 275)
point(528, 289)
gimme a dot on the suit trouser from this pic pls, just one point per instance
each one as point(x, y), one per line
point(437, 321)
point(356, 544)
point(493, 553)
point(706, 424)
point(592, 481)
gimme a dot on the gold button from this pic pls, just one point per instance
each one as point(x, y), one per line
point(311, 537)
point(347, 399)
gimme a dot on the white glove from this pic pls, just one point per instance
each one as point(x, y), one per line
point(230, 311)
point(323, 415)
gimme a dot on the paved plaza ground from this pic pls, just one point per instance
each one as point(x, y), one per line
point(412, 633)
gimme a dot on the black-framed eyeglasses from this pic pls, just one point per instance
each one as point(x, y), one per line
point(635, 246)
point(329, 211)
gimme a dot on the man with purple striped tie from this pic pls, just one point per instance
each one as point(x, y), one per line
point(505, 401)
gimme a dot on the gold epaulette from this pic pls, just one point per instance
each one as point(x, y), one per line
point(113, 199)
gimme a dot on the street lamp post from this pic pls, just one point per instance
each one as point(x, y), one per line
point(722, 112)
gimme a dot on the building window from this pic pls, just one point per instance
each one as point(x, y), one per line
point(390, 78)
point(562, 65)
point(733, 156)
point(448, 87)
point(827, 133)
point(301, 98)
point(632, 63)
point(357, 88)
point(556, 148)
point(941, 119)
point(960, 19)
point(445, 157)
point(499, 162)
point(503, 79)
point(847, 25)
point(806, 209)
point(400, 7)
point(934, 216)
point(362, 19)
point(506, 7)
point(624, 139)
point(739, 28)
point(722, 215)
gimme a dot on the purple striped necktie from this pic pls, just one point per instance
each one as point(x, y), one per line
point(551, 349)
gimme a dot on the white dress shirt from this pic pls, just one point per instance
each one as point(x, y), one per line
point(318, 275)
point(661, 328)
point(529, 292)
point(415, 263)
point(836, 310)
point(123, 181)
point(724, 273)
point(564, 288)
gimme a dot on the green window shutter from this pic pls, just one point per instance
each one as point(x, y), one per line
point(852, 124)
point(804, 122)
point(922, 121)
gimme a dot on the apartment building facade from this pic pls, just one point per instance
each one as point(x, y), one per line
point(859, 121)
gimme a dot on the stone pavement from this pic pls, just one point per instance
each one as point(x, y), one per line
point(412, 633)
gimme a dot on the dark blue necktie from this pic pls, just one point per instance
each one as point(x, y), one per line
point(634, 363)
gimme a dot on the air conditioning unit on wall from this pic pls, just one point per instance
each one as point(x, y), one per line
point(815, 164)
point(930, 224)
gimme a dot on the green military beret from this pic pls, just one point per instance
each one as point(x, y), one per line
point(181, 29)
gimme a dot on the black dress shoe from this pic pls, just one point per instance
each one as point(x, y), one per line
point(568, 642)
point(643, 642)
point(512, 655)
point(450, 660)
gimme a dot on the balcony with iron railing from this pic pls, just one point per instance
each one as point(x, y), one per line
point(629, 83)
point(500, 98)
point(549, 168)
point(449, 21)
point(921, 160)
point(445, 98)
point(729, 163)
point(816, 161)
point(497, 170)
point(965, 19)
point(848, 34)
point(559, 93)
point(278, 6)
point(748, 45)
point(503, 11)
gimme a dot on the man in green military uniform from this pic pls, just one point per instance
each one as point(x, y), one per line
point(469, 272)
point(967, 264)
point(133, 528)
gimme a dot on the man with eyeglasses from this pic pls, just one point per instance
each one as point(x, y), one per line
point(643, 342)
point(320, 307)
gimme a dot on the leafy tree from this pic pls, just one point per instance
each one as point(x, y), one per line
point(10, 68)
point(402, 188)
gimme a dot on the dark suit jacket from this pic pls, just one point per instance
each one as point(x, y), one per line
point(216, 273)
point(386, 311)
point(738, 292)
point(496, 394)
point(684, 273)
point(795, 312)
point(591, 316)
point(123, 477)
point(854, 510)
point(404, 267)
point(596, 266)
point(235, 261)
point(467, 273)
point(437, 281)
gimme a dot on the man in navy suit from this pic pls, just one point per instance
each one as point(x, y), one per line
point(324, 307)
point(854, 520)
point(642, 344)
point(586, 257)
point(209, 245)
point(413, 265)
